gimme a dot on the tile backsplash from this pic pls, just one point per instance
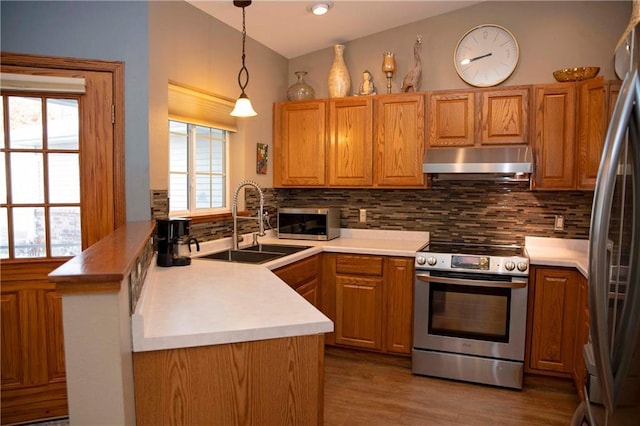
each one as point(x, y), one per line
point(474, 211)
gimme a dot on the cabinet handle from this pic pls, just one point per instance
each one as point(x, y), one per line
point(474, 283)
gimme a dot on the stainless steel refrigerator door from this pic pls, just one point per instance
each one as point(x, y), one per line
point(613, 345)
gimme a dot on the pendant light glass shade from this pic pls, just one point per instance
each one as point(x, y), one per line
point(243, 107)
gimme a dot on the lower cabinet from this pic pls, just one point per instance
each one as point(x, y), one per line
point(582, 337)
point(554, 295)
point(303, 277)
point(370, 300)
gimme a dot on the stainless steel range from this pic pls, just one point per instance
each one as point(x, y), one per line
point(470, 312)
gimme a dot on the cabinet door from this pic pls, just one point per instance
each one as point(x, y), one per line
point(555, 308)
point(398, 295)
point(299, 144)
point(351, 142)
point(592, 126)
point(451, 119)
point(554, 133)
point(399, 143)
point(359, 311)
point(582, 337)
point(302, 276)
point(505, 116)
point(309, 290)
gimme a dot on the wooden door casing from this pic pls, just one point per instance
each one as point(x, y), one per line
point(33, 364)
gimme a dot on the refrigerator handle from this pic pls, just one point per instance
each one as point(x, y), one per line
point(600, 218)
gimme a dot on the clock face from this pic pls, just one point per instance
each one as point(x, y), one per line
point(486, 55)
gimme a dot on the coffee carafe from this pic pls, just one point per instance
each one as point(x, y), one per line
point(172, 234)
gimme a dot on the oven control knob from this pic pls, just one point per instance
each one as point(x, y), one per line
point(432, 261)
point(420, 260)
point(510, 266)
point(522, 266)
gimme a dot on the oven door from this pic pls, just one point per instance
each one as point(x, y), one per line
point(470, 313)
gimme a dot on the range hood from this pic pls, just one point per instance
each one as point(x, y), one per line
point(499, 162)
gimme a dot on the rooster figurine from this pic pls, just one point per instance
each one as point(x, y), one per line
point(411, 82)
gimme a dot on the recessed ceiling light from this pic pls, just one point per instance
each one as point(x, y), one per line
point(321, 8)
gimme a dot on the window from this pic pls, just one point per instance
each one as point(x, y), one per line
point(39, 176)
point(198, 165)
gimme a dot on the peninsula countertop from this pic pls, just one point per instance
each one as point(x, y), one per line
point(213, 302)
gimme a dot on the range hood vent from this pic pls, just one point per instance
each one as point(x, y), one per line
point(494, 163)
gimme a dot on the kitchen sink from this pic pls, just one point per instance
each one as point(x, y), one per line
point(243, 256)
point(275, 248)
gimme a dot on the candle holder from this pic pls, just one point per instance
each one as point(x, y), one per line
point(388, 67)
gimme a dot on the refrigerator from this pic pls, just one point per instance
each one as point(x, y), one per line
point(612, 354)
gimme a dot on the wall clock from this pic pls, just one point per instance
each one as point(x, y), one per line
point(486, 55)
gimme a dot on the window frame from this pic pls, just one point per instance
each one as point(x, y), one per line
point(204, 214)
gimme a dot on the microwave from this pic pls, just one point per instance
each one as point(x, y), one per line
point(319, 224)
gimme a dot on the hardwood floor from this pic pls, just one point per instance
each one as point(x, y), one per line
point(371, 389)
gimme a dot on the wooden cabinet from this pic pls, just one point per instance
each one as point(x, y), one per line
point(299, 143)
point(369, 141)
point(479, 117)
point(399, 140)
point(350, 154)
point(570, 125)
point(303, 277)
point(554, 136)
point(553, 311)
point(504, 118)
point(370, 300)
point(582, 337)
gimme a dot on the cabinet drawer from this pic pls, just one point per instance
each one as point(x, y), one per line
point(360, 265)
point(299, 272)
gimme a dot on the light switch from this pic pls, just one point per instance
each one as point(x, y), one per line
point(363, 215)
point(558, 224)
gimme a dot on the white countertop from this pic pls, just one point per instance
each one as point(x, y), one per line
point(212, 302)
point(559, 252)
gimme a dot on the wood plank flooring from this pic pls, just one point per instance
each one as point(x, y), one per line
point(371, 389)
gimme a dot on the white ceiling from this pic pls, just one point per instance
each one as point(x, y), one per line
point(289, 28)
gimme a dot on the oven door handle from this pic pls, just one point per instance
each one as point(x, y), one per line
point(475, 283)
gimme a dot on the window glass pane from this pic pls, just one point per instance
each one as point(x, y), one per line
point(203, 192)
point(203, 155)
point(178, 192)
point(2, 121)
point(3, 180)
point(29, 232)
point(27, 183)
point(66, 238)
point(218, 157)
point(177, 127)
point(218, 196)
point(64, 178)
point(62, 124)
point(25, 122)
point(178, 153)
point(4, 234)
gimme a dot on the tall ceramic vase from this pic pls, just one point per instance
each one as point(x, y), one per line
point(339, 79)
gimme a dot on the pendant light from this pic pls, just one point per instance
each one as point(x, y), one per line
point(243, 106)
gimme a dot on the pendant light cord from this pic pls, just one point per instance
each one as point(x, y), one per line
point(244, 68)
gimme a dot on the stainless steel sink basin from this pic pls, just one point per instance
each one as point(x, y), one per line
point(243, 256)
point(275, 248)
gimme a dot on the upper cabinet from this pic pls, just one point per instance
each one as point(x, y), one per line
point(299, 143)
point(367, 141)
point(479, 117)
point(399, 140)
point(570, 125)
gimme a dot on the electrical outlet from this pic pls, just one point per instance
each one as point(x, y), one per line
point(363, 215)
point(558, 224)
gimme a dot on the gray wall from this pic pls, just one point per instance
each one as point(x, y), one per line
point(551, 35)
point(113, 31)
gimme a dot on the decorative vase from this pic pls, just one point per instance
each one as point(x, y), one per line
point(300, 90)
point(339, 79)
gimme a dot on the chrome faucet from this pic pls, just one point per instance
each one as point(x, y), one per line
point(234, 213)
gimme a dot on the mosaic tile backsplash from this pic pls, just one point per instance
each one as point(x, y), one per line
point(458, 211)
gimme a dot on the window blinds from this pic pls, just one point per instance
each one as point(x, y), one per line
point(42, 83)
point(192, 106)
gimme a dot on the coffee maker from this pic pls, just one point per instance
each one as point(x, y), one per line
point(172, 233)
